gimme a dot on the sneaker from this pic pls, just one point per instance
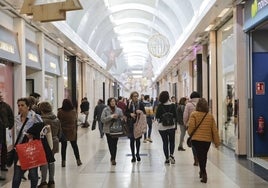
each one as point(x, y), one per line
point(172, 160)
point(181, 149)
point(149, 140)
point(167, 162)
point(145, 141)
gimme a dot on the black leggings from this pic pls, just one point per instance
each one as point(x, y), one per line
point(64, 147)
point(112, 144)
point(168, 138)
point(132, 146)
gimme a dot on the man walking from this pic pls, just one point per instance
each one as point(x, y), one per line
point(6, 121)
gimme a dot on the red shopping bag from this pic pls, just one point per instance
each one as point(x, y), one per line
point(31, 154)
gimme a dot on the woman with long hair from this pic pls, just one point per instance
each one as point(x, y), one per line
point(68, 118)
point(110, 114)
point(203, 136)
point(134, 108)
point(167, 132)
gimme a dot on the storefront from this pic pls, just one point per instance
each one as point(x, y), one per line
point(9, 55)
point(226, 55)
point(256, 26)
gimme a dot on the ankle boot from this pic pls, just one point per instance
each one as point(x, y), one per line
point(195, 161)
point(78, 161)
point(63, 163)
point(204, 178)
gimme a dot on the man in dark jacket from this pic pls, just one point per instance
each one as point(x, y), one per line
point(6, 121)
point(97, 115)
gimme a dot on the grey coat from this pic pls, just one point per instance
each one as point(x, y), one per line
point(106, 117)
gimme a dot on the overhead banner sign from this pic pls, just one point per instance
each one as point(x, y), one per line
point(49, 10)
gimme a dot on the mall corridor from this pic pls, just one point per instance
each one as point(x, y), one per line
point(224, 169)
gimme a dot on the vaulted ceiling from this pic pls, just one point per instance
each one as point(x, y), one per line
point(118, 31)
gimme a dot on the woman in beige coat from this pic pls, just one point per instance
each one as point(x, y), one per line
point(205, 134)
point(68, 118)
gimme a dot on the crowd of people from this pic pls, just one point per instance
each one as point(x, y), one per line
point(191, 116)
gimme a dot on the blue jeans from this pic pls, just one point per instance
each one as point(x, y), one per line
point(18, 174)
point(149, 123)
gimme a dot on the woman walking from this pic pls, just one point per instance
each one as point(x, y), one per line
point(51, 119)
point(167, 132)
point(180, 111)
point(68, 119)
point(109, 115)
point(203, 136)
point(24, 121)
point(134, 108)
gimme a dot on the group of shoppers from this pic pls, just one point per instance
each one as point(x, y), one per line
point(188, 114)
point(31, 116)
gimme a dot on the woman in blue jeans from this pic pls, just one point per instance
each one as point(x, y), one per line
point(29, 118)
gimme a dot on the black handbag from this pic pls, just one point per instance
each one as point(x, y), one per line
point(94, 125)
point(12, 153)
point(189, 139)
point(116, 128)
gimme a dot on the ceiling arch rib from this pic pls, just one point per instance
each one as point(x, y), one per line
point(104, 30)
point(160, 14)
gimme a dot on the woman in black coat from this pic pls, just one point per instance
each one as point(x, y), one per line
point(134, 108)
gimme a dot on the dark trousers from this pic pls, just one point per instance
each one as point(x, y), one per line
point(18, 174)
point(132, 146)
point(201, 148)
point(112, 144)
point(64, 147)
point(168, 138)
point(3, 155)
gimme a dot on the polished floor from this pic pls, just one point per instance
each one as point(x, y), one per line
point(224, 169)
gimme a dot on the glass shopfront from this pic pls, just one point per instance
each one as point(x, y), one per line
point(226, 83)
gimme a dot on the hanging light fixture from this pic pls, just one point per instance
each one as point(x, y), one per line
point(158, 45)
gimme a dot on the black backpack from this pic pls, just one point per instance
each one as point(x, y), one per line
point(167, 117)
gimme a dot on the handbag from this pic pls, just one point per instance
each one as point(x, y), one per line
point(116, 129)
point(31, 154)
point(140, 126)
point(189, 139)
point(12, 153)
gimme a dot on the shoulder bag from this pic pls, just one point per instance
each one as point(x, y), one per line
point(11, 154)
point(189, 139)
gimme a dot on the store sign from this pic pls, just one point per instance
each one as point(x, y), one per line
point(260, 88)
point(257, 6)
point(32, 57)
point(7, 47)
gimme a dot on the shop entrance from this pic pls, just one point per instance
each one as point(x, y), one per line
point(260, 102)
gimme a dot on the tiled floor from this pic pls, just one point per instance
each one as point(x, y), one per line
point(224, 169)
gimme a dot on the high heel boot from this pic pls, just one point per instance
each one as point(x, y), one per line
point(78, 161)
point(204, 178)
point(63, 163)
point(195, 161)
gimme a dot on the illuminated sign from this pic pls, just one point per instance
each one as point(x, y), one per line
point(53, 65)
point(7, 47)
point(257, 6)
point(32, 57)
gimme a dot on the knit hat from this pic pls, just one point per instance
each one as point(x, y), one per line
point(45, 107)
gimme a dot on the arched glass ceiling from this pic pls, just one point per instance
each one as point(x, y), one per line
point(125, 26)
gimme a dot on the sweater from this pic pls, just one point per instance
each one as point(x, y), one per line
point(207, 131)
